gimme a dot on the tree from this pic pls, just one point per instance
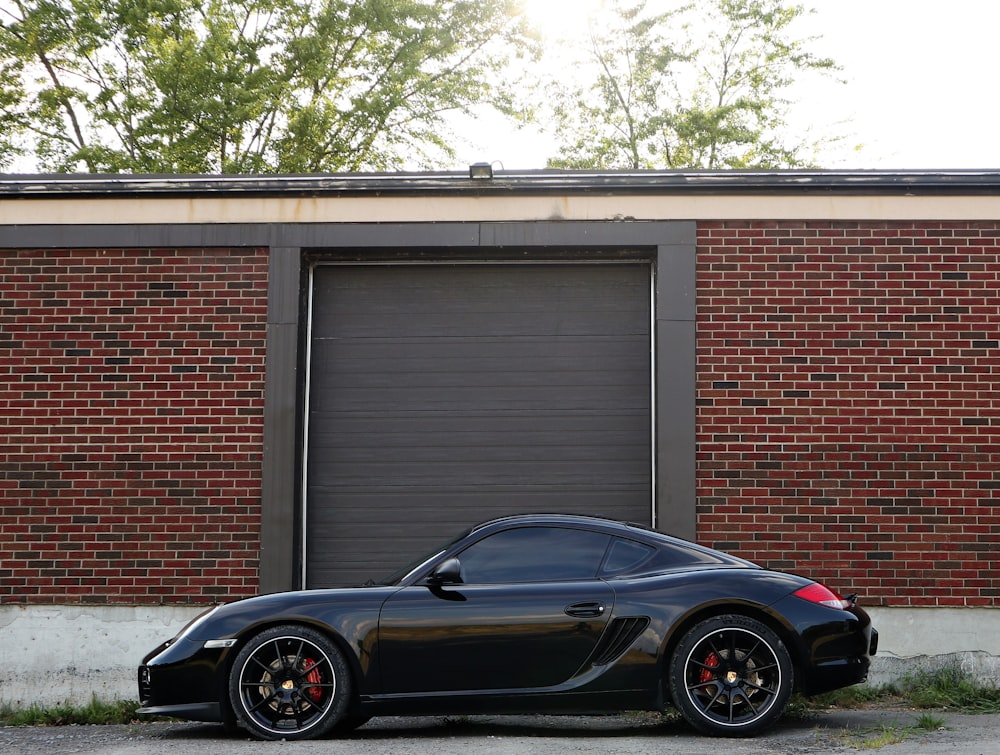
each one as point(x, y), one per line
point(702, 86)
point(240, 86)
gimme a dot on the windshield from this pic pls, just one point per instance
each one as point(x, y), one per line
point(398, 576)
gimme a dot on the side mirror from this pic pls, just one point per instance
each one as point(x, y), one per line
point(448, 572)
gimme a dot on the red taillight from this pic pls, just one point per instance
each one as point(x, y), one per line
point(817, 593)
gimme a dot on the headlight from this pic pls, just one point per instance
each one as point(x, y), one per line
point(196, 622)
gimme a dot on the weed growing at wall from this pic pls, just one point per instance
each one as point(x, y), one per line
point(95, 712)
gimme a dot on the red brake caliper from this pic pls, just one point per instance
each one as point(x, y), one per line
point(706, 675)
point(313, 677)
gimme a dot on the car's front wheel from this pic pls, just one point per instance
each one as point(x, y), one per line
point(289, 682)
point(731, 676)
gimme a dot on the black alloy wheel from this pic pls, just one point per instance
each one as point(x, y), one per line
point(289, 682)
point(731, 676)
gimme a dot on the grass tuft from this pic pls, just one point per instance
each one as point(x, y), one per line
point(929, 722)
point(949, 687)
point(875, 739)
point(847, 698)
point(95, 712)
point(890, 734)
point(946, 687)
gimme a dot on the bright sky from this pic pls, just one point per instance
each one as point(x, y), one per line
point(921, 87)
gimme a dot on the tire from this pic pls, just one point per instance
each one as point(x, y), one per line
point(229, 723)
point(731, 676)
point(289, 682)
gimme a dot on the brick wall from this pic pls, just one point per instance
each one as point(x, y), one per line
point(848, 413)
point(848, 406)
point(131, 398)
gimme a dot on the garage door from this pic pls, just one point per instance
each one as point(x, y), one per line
point(444, 395)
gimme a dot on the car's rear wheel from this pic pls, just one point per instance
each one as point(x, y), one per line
point(731, 676)
point(289, 682)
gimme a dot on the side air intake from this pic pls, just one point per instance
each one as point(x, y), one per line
point(617, 637)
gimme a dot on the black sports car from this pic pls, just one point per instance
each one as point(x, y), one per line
point(536, 614)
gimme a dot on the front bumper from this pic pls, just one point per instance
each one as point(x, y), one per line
point(184, 679)
point(207, 712)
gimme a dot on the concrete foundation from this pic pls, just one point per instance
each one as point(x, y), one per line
point(58, 654)
point(912, 639)
point(51, 655)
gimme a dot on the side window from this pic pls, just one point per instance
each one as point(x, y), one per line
point(624, 555)
point(534, 554)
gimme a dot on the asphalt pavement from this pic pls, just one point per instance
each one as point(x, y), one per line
point(888, 731)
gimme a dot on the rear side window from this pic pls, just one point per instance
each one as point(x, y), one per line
point(630, 558)
point(534, 554)
point(625, 555)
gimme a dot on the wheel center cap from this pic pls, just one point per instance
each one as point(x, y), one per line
point(732, 677)
point(288, 684)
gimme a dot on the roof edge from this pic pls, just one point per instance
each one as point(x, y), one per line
point(507, 183)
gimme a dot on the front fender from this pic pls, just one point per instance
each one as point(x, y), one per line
point(349, 617)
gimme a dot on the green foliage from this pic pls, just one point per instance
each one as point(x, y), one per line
point(851, 697)
point(96, 712)
point(929, 722)
point(948, 687)
point(240, 86)
point(945, 687)
point(702, 86)
point(877, 738)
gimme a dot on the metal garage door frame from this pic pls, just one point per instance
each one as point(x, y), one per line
point(672, 244)
point(508, 258)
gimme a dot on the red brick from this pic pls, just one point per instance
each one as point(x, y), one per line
point(93, 416)
point(873, 393)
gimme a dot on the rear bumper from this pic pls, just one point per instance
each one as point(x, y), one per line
point(835, 675)
point(855, 647)
point(834, 646)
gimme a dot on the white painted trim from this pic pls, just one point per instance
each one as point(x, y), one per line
point(115, 210)
point(303, 497)
point(653, 438)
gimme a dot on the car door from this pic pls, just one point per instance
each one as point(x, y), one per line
point(527, 615)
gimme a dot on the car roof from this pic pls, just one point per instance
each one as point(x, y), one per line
point(610, 526)
point(578, 520)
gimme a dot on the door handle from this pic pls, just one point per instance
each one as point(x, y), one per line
point(587, 610)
